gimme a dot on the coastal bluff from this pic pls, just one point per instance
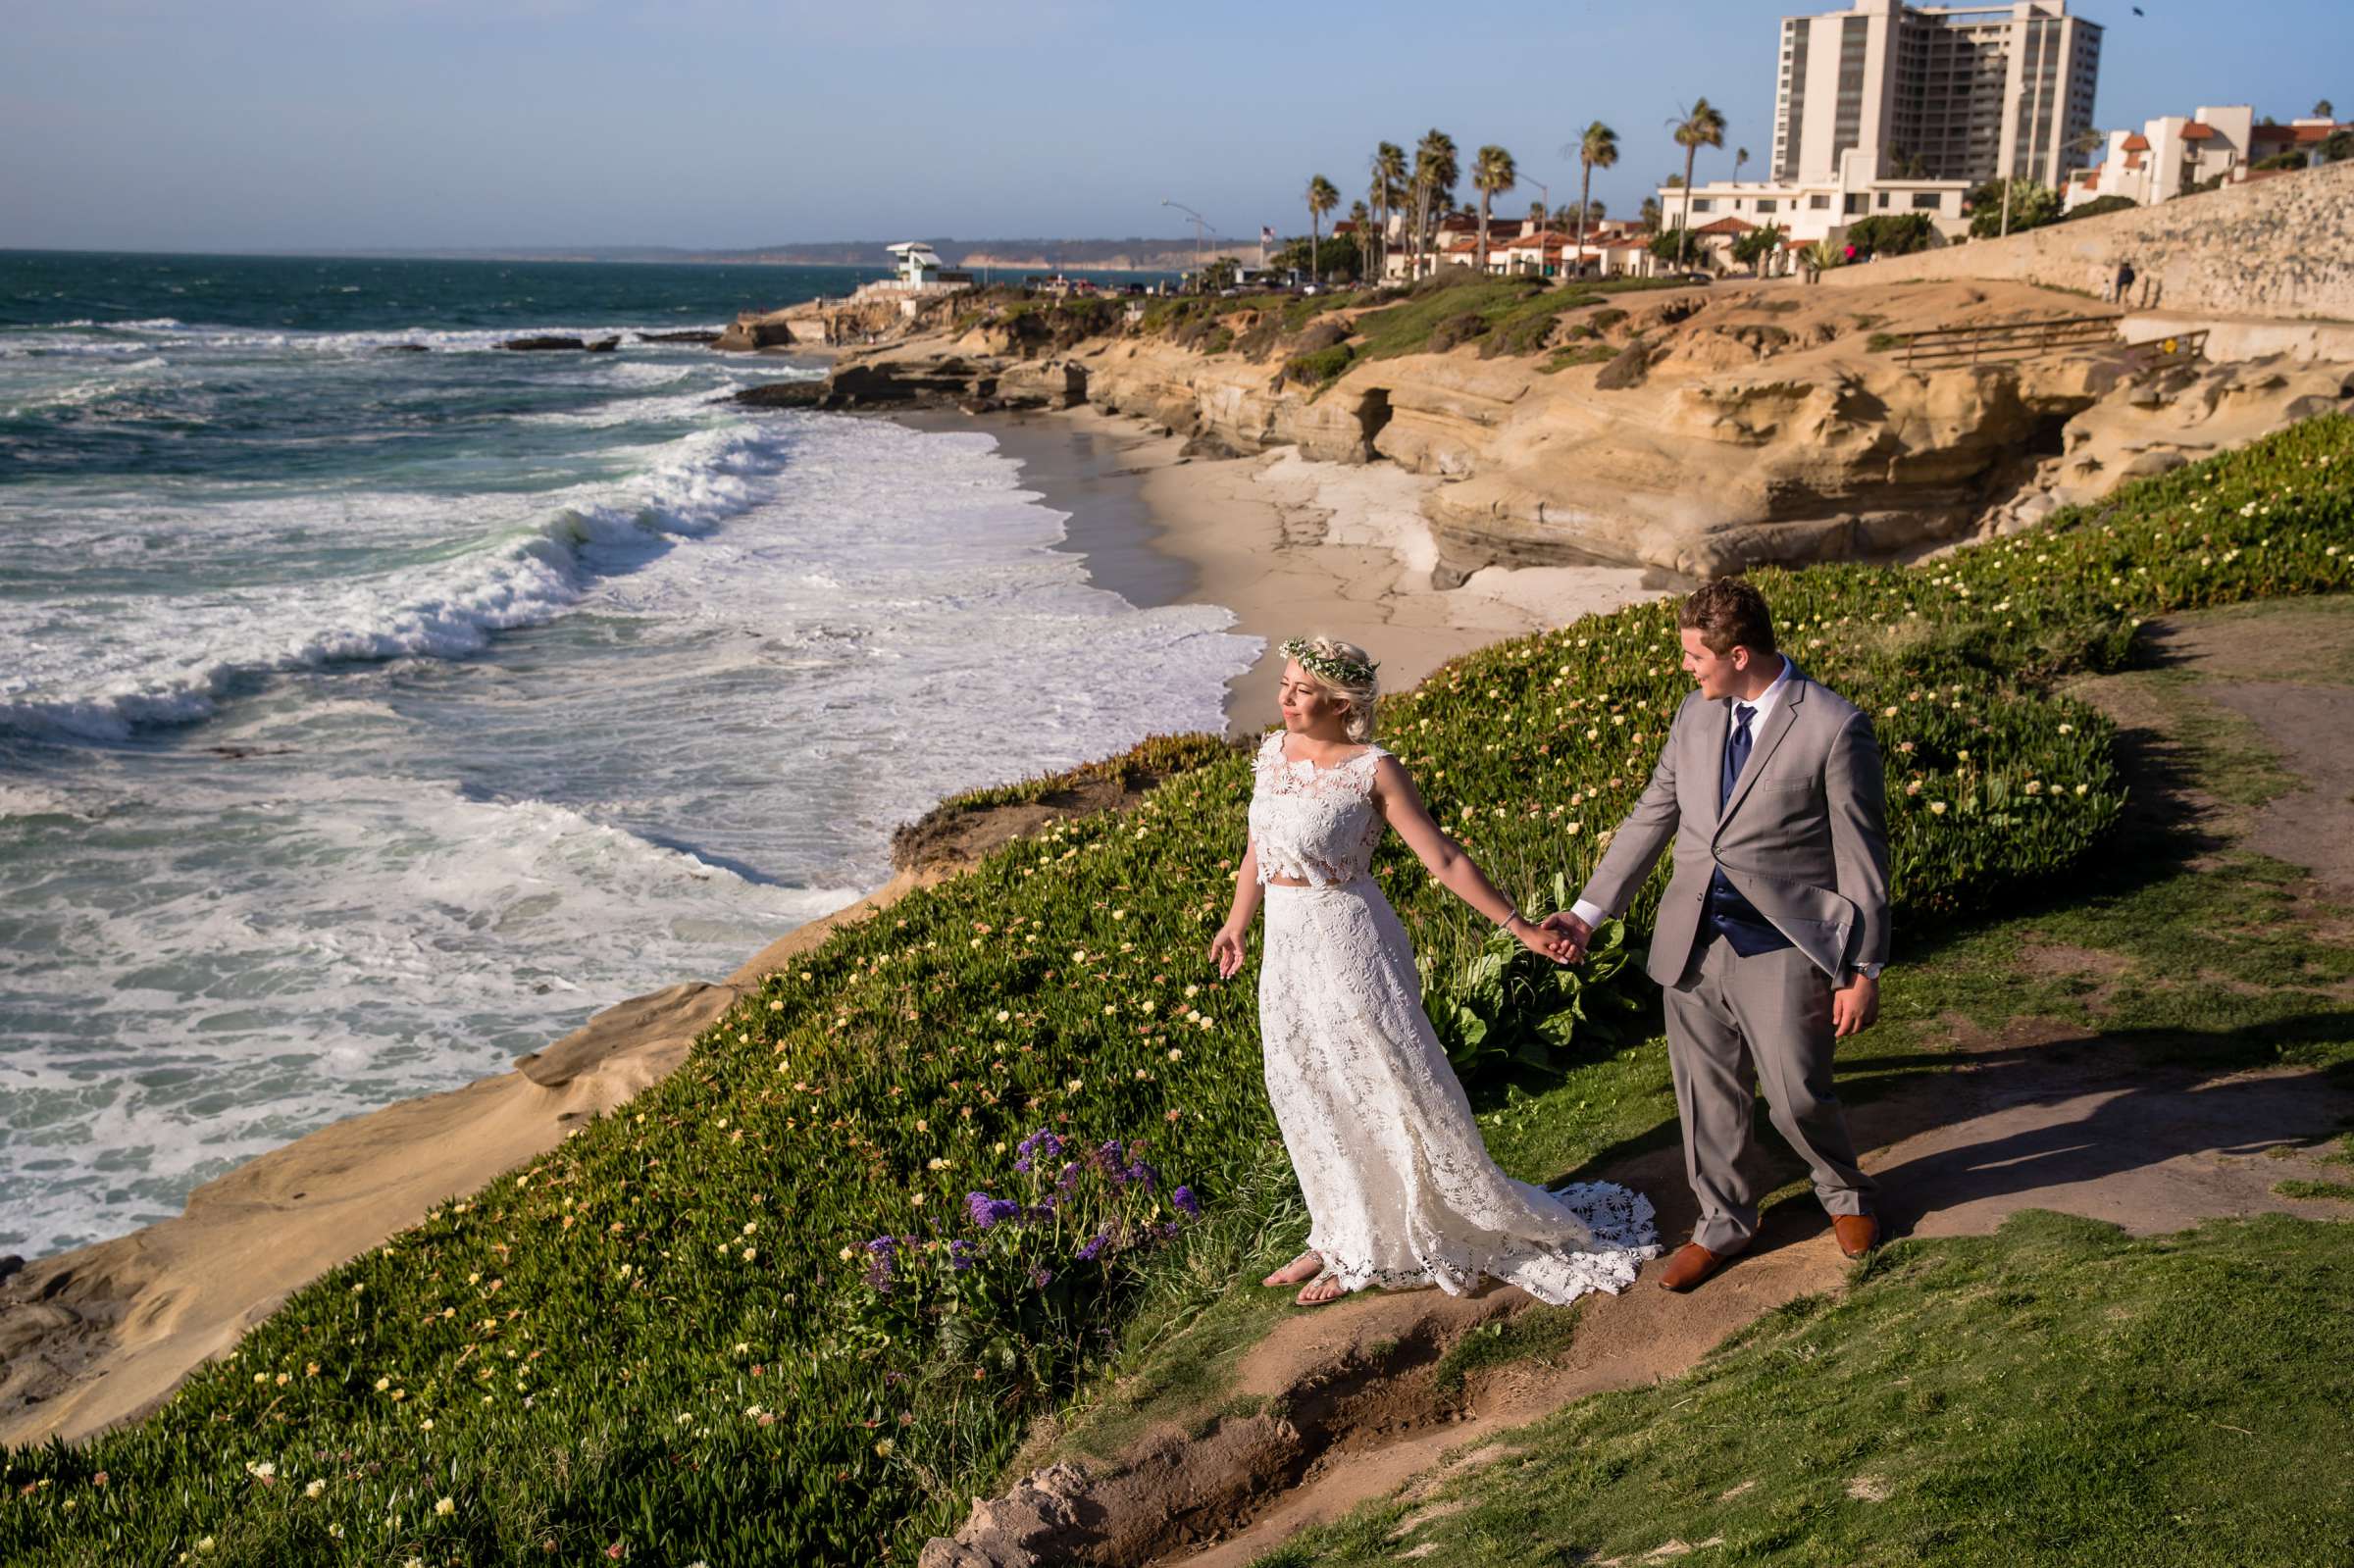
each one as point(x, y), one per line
point(1690, 431)
point(1698, 429)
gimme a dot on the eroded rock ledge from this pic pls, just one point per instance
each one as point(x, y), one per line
point(1696, 433)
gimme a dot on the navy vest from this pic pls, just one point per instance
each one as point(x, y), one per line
point(1729, 914)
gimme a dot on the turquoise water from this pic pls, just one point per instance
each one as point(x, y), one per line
point(369, 717)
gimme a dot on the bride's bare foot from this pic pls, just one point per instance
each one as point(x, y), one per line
point(1319, 1292)
point(1307, 1266)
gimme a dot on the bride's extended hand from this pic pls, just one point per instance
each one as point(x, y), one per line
point(1226, 952)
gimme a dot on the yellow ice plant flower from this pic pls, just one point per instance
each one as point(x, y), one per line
point(446, 1508)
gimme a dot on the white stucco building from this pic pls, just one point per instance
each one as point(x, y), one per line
point(919, 267)
point(2177, 153)
point(1889, 108)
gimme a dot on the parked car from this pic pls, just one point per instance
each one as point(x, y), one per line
point(1695, 276)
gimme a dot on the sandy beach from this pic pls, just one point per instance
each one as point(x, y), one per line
point(1290, 547)
point(103, 1333)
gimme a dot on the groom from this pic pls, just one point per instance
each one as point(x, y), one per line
point(1774, 924)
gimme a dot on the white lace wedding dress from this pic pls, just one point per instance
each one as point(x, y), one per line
point(1400, 1188)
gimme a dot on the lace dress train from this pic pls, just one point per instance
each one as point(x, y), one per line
point(1401, 1189)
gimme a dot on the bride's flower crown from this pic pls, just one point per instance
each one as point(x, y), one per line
point(1331, 667)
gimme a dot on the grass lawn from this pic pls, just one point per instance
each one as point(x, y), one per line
point(2055, 1394)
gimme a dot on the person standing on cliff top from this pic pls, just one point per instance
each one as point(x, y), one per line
point(1774, 926)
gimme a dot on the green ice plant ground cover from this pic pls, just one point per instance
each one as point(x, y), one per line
point(668, 1340)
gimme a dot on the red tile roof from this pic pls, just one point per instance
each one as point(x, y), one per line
point(2295, 134)
point(1725, 226)
point(2197, 131)
point(2137, 142)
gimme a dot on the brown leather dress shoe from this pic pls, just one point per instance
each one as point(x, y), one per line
point(1691, 1264)
point(1858, 1234)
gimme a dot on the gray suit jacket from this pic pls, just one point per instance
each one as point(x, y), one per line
point(1803, 837)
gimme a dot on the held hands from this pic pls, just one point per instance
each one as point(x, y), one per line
point(1854, 1006)
point(1226, 952)
point(1545, 942)
point(1571, 932)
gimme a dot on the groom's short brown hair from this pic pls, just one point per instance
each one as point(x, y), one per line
point(1728, 613)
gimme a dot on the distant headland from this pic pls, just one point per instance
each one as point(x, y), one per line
point(1133, 254)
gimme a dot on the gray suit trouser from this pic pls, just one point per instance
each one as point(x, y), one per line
point(1735, 1023)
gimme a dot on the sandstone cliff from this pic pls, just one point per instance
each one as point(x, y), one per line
point(1695, 430)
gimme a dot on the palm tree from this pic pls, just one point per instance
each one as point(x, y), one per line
point(1435, 175)
point(1740, 157)
point(2325, 110)
point(1322, 197)
point(1598, 149)
point(1389, 191)
point(1537, 216)
point(1362, 216)
point(1649, 216)
point(1492, 173)
point(1701, 126)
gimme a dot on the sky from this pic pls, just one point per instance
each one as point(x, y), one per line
point(357, 125)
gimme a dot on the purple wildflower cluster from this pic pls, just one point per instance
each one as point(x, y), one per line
point(1041, 1144)
point(882, 1260)
point(988, 1211)
point(1123, 1168)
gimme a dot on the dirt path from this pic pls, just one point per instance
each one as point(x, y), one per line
point(2049, 1114)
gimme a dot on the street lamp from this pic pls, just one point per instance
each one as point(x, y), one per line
point(1200, 222)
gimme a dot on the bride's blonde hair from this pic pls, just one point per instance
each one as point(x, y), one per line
point(1345, 670)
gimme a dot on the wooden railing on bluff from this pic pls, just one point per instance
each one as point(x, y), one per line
point(2008, 341)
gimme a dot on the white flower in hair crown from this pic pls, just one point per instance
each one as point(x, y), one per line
point(1333, 668)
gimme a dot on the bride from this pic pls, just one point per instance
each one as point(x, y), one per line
point(1400, 1188)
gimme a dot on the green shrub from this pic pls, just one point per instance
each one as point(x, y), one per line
point(1892, 233)
point(1524, 327)
point(1410, 326)
point(1492, 1002)
point(1577, 354)
point(650, 1341)
point(2099, 205)
point(1320, 366)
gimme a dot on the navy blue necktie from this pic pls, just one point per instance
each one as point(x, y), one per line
point(1736, 754)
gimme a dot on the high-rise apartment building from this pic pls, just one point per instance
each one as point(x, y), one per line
point(1935, 92)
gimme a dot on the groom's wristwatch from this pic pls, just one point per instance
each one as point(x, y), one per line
point(1868, 971)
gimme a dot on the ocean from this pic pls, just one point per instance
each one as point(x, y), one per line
point(371, 716)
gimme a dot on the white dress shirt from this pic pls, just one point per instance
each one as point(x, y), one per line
point(1763, 704)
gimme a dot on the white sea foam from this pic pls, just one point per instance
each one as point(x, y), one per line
point(165, 659)
point(104, 339)
point(757, 651)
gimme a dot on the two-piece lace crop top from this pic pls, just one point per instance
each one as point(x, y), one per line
point(1314, 825)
